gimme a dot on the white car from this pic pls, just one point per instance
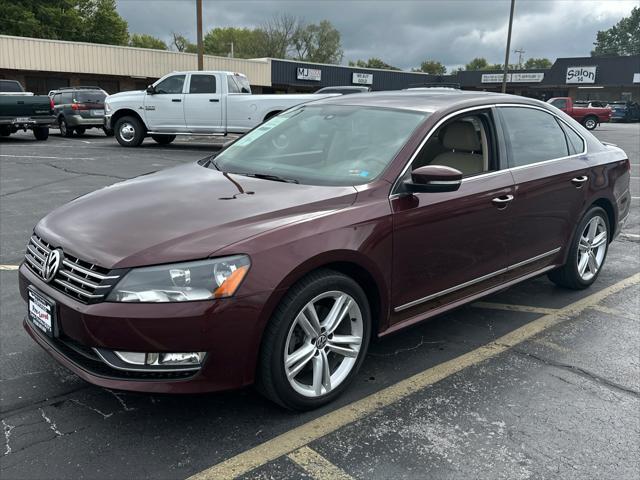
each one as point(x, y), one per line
point(192, 103)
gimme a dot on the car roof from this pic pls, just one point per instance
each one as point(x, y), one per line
point(429, 100)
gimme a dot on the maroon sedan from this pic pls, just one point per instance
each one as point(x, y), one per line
point(276, 261)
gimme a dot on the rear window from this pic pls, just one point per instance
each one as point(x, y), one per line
point(89, 97)
point(10, 86)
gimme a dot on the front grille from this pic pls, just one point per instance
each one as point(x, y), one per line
point(84, 281)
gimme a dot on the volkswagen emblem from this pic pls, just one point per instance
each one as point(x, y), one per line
point(51, 265)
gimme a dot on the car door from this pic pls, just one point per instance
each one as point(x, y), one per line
point(449, 245)
point(164, 109)
point(550, 171)
point(203, 104)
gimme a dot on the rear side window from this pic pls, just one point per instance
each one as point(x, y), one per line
point(202, 84)
point(65, 97)
point(89, 97)
point(56, 99)
point(574, 141)
point(171, 85)
point(533, 136)
point(10, 86)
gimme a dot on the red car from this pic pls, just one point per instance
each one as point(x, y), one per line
point(588, 115)
point(277, 260)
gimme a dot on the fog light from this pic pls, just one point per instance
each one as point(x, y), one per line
point(156, 359)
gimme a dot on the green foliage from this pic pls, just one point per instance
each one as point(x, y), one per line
point(318, 43)
point(431, 66)
point(480, 63)
point(93, 21)
point(182, 44)
point(532, 63)
point(246, 42)
point(142, 40)
point(621, 39)
point(372, 63)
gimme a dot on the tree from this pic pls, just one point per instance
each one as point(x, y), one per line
point(102, 23)
point(477, 63)
point(182, 44)
point(532, 63)
point(246, 42)
point(372, 63)
point(431, 66)
point(276, 35)
point(142, 40)
point(318, 43)
point(621, 39)
point(55, 19)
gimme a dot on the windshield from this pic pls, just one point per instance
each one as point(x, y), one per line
point(322, 144)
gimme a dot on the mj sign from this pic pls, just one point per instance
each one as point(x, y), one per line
point(581, 75)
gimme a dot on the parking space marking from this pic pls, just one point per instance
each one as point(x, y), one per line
point(514, 308)
point(316, 465)
point(9, 267)
point(301, 436)
point(545, 342)
point(613, 311)
point(49, 158)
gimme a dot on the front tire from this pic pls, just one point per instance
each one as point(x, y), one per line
point(316, 341)
point(590, 123)
point(129, 131)
point(164, 139)
point(41, 133)
point(587, 252)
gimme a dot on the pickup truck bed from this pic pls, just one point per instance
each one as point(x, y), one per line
point(20, 110)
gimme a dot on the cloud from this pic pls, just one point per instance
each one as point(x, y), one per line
point(405, 32)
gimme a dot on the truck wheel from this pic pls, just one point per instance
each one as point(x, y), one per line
point(41, 133)
point(80, 130)
point(164, 139)
point(5, 131)
point(129, 131)
point(65, 130)
point(107, 132)
point(590, 123)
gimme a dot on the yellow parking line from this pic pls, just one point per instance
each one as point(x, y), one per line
point(317, 466)
point(514, 308)
point(614, 311)
point(303, 435)
point(9, 267)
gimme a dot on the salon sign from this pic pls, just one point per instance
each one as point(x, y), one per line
point(581, 75)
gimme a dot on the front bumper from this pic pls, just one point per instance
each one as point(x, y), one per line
point(107, 122)
point(228, 330)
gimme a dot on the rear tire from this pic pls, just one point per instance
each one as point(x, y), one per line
point(5, 131)
point(297, 356)
point(65, 130)
point(41, 133)
point(590, 122)
point(164, 139)
point(129, 131)
point(587, 253)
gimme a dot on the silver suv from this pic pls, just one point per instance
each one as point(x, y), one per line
point(79, 108)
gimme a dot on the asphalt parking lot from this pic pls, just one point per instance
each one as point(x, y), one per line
point(534, 382)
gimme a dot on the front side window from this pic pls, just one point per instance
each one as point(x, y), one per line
point(533, 135)
point(171, 85)
point(232, 85)
point(202, 84)
point(323, 144)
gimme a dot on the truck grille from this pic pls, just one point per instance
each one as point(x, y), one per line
point(84, 281)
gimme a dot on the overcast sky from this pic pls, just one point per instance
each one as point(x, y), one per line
point(403, 33)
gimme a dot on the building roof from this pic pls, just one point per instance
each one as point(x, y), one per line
point(618, 70)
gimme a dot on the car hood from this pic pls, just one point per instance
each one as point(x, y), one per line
point(183, 213)
point(124, 95)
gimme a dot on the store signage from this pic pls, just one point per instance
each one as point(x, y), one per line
point(362, 78)
point(636, 78)
point(314, 74)
point(581, 75)
point(512, 77)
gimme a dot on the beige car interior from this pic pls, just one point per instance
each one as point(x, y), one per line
point(461, 144)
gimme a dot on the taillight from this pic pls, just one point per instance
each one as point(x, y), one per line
point(79, 106)
point(51, 103)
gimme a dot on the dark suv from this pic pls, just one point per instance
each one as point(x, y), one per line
point(79, 108)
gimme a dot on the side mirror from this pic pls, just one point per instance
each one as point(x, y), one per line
point(434, 178)
point(151, 89)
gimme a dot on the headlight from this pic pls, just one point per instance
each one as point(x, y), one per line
point(182, 282)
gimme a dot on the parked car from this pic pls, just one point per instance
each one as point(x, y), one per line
point(625, 111)
point(192, 103)
point(278, 259)
point(78, 109)
point(20, 110)
point(589, 116)
point(345, 90)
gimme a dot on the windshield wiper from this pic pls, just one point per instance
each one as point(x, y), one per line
point(266, 176)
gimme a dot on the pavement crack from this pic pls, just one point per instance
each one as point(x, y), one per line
point(408, 349)
point(7, 434)
point(580, 371)
point(52, 424)
point(99, 412)
point(33, 187)
point(93, 174)
point(122, 402)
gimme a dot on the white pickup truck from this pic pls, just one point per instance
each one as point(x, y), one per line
point(192, 103)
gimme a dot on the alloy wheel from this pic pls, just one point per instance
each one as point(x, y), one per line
point(127, 132)
point(590, 124)
point(323, 344)
point(592, 248)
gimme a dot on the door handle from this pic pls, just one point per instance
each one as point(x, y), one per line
point(214, 100)
point(176, 100)
point(579, 181)
point(502, 201)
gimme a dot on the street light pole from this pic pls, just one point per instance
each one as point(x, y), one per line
point(506, 55)
point(199, 34)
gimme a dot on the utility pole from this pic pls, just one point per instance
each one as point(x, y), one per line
point(200, 45)
point(520, 51)
point(506, 55)
point(231, 55)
